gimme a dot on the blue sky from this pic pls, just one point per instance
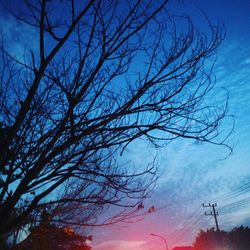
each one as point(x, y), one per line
point(191, 174)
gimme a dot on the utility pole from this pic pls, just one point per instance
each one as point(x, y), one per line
point(213, 213)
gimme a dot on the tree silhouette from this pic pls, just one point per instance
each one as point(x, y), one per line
point(99, 75)
point(210, 240)
point(236, 239)
point(49, 237)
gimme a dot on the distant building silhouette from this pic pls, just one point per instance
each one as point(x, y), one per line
point(183, 248)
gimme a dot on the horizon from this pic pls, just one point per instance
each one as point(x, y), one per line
point(192, 175)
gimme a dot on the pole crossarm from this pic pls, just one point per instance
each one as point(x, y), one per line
point(212, 213)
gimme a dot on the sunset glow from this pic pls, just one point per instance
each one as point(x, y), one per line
point(124, 125)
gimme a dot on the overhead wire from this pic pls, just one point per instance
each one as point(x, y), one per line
point(233, 193)
point(193, 226)
point(192, 223)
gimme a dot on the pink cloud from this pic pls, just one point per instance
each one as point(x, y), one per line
point(121, 245)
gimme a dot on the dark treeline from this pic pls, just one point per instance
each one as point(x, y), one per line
point(48, 236)
point(236, 239)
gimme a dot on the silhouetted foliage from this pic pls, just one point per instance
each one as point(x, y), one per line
point(46, 236)
point(209, 240)
point(236, 239)
point(99, 75)
point(4, 245)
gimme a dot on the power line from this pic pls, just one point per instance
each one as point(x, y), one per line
point(186, 224)
point(189, 219)
point(183, 234)
point(191, 223)
point(233, 193)
point(235, 205)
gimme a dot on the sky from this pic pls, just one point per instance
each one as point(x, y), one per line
point(192, 174)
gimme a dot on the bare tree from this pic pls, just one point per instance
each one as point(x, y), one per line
point(103, 74)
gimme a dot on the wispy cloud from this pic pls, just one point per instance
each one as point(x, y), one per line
point(121, 245)
point(21, 38)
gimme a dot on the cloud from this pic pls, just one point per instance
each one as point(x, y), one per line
point(121, 245)
point(247, 61)
point(19, 38)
